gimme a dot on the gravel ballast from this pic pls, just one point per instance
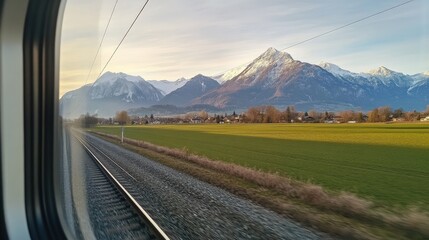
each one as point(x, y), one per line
point(187, 208)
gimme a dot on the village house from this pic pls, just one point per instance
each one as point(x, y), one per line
point(426, 119)
point(196, 120)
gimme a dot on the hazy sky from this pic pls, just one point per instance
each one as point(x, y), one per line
point(174, 39)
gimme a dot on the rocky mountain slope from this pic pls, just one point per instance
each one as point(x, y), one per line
point(112, 92)
point(194, 88)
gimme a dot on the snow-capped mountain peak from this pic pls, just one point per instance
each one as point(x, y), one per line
point(335, 70)
point(127, 87)
point(181, 80)
point(389, 77)
point(110, 93)
point(110, 77)
point(273, 54)
point(265, 68)
point(106, 78)
point(230, 74)
point(420, 77)
point(167, 87)
point(381, 71)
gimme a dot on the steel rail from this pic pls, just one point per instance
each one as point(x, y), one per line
point(111, 160)
point(142, 213)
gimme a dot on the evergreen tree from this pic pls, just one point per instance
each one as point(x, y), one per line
point(217, 119)
point(288, 114)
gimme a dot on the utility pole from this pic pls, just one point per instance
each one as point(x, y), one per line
point(122, 118)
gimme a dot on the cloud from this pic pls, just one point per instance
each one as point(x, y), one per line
point(183, 38)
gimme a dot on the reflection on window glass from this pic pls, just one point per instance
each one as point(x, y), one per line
point(246, 119)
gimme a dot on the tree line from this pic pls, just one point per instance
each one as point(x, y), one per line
point(263, 114)
point(87, 120)
point(270, 114)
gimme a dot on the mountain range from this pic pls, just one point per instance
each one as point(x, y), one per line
point(273, 78)
point(194, 88)
point(166, 86)
point(110, 93)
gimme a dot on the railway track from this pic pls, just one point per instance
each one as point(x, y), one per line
point(119, 215)
point(185, 207)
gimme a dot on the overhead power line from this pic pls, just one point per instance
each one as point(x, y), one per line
point(101, 42)
point(123, 38)
point(348, 24)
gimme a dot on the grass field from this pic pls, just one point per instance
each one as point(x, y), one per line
point(388, 163)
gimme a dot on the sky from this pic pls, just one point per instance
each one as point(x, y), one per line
point(174, 39)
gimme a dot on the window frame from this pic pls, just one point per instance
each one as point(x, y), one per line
point(41, 119)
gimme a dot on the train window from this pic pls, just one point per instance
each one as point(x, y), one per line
point(244, 119)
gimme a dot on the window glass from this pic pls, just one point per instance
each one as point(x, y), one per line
point(246, 119)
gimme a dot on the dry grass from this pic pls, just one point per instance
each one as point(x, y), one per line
point(414, 223)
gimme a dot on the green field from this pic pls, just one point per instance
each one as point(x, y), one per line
point(388, 163)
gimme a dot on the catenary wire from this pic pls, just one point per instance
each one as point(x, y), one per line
point(346, 25)
point(101, 42)
point(343, 26)
point(123, 38)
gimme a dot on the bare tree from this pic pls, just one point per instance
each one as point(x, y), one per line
point(360, 117)
point(384, 113)
point(348, 116)
point(272, 115)
point(203, 115)
point(373, 116)
point(88, 120)
point(122, 118)
point(253, 114)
